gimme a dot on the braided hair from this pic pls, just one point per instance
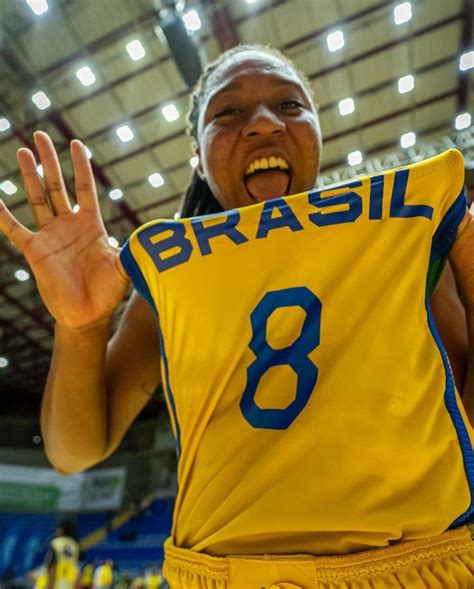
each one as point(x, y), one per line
point(198, 198)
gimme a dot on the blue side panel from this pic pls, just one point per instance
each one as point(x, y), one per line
point(458, 421)
point(133, 269)
point(445, 235)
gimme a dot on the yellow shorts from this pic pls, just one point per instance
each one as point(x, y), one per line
point(443, 562)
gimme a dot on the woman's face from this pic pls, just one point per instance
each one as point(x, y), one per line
point(259, 135)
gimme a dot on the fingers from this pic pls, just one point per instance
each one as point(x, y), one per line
point(13, 229)
point(34, 188)
point(52, 173)
point(84, 178)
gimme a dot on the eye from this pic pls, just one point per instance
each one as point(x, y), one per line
point(290, 104)
point(227, 112)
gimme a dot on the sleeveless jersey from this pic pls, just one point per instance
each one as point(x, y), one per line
point(66, 556)
point(311, 398)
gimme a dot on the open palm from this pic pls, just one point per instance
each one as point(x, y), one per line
point(79, 275)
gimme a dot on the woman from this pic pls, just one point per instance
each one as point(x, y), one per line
point(251, 106)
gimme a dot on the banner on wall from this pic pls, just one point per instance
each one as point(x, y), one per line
point(25, 487)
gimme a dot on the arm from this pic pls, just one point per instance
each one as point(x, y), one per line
point(95, 390)
point(462, 261)
point(450, 318)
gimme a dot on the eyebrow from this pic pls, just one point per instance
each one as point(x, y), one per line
point(233, 86)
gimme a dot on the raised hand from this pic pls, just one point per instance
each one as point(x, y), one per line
point(78, 274)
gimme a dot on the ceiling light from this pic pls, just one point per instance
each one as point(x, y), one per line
point(76, 208)
point(36, 439)
point(346, 106)
point(402, 13)
point(85, 75)
point(156, 180)
point(8, 187)
point(4, 125)
point(170, 112)
point(408, 139)
point(466, 61)
point(194, 161)
point(40, 170)
point(3, 362)
point(22, 275)
point(335, 40)
point(406, 84)
point(115, 194)
point(135, 50)
point(39, 7)
point(41, 100)
point(88, 152)
point(112, 241)
point(462, 121)
point(354, 158)
point(124, 133)
point(191, 20)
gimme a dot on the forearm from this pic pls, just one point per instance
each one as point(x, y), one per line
point(74, 407)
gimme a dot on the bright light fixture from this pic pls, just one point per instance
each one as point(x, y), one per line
point(354, 158)
point(170, 112)
point(335, 41)
point(124, 133)
point(76, 208)
point(39, 7)
point(346, 106)
point(88, 152)
point(40, 170)
point(112, 241)
point(402, 13)
point(406, 84)
point(22, 275)
point(41, 100)
point(156, 180)
point(463, 121)
point(193, 162)
point(192, 21)
point(3, 362)
point(466, 61)
point(4, 125)
point(8, 187)
point(115, 194)
point(408, 139)
point(36, 439)
point(135, 49)
point(85, 75)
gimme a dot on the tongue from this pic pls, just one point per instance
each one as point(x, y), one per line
point(268, 184)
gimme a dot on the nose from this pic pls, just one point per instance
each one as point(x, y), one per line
point(263, 121)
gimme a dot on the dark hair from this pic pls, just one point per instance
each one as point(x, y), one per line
point(198, 198)
point(68, 528)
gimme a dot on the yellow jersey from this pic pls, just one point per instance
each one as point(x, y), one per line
point(311, 398)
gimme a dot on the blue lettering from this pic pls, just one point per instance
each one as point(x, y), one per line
point(347, 198)
point(286, 218)
point(227, 228)
point(398, 208)
point(155, 249)
point(376, 197)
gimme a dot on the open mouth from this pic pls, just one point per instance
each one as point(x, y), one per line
point(264, 183)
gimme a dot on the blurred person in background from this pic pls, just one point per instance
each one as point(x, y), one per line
point(104, 575)
point(62, 558)
point(153, 578)
point(87, 576)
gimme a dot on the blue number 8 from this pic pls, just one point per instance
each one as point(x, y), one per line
point(295, 356)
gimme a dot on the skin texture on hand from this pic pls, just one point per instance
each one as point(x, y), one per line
point(69, 253)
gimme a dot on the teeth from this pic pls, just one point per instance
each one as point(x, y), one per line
point(265, 163)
